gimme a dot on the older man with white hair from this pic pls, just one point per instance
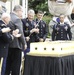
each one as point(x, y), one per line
point(29, 27)
point(7, 20)
point(4, 51)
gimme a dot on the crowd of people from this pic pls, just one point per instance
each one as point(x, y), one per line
point(16, 34)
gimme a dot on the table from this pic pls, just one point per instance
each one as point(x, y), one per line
point(39, 65)
point(50, 58)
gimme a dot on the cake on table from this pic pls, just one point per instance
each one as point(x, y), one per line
point(53, 48)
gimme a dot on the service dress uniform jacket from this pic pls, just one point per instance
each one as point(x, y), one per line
point(27, 26)
point(5, 39)
point(61, 32)
point(41, 25)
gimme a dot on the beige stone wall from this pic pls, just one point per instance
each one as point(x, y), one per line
point(10, 4)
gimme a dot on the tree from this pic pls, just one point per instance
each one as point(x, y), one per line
point(38, 5)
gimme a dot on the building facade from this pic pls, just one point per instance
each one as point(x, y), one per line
point(9, 4)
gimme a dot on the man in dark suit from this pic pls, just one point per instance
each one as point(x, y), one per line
point(5, 39)
point(61, 31)
point(16, 46)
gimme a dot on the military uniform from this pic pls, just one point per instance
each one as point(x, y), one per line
point(27, 26)
point(61, 32)
point(41, 25)
point(5, 39)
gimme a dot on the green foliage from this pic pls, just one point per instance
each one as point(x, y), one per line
point(47, 20)
point(38, 5)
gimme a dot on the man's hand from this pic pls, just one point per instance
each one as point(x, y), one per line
point(16, 33)
point(41, 40)
point(31, 31)
point(36, 30)
point(27, 38)
point(17, 36)
point(25, 47)
point(5, 30)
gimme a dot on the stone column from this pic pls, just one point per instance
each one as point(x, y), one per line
point(25, 7)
